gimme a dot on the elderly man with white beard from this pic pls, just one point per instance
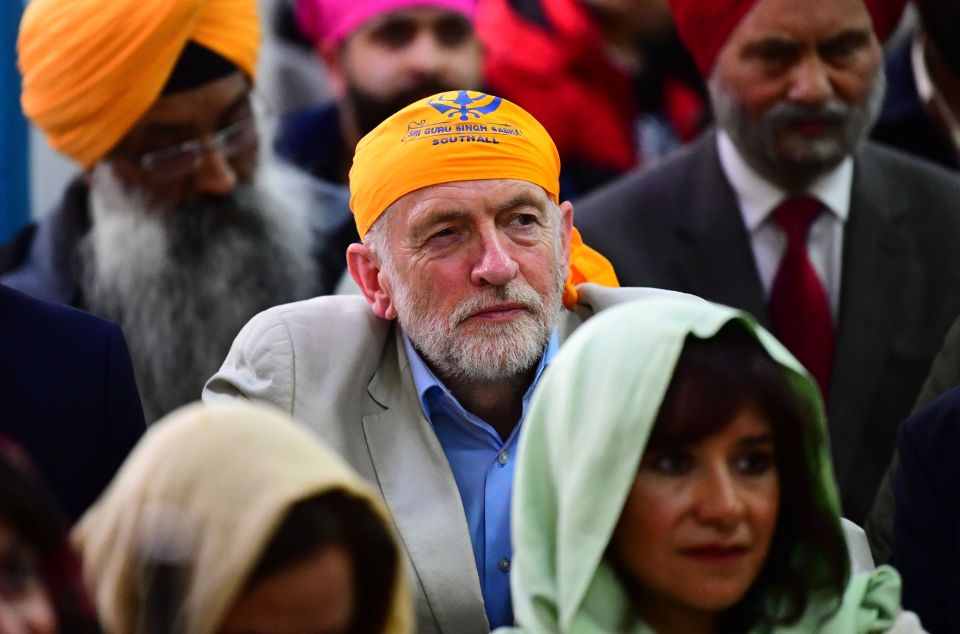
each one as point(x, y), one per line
point(845, 250)
point(171, 230)
point(472, 274)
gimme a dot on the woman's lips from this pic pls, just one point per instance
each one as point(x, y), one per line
point(715, 553)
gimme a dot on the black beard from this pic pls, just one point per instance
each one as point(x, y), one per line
point(370, 111)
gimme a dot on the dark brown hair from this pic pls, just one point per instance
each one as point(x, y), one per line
point(713, 380)
point(31, 512)
point(337, 519)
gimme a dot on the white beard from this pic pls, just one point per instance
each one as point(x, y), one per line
point(496, 351)
point(181, 286)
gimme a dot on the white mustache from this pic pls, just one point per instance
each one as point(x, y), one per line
point(513, 291)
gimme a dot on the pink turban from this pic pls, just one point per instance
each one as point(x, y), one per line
point(706, 26)
point(328, 22)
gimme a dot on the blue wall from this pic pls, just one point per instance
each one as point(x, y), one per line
point(14, 151)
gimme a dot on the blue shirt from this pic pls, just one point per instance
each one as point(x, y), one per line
point(482, 466)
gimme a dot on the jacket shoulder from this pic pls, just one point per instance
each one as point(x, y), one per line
point(906, 167)
point(22, 313)
point(321, 344)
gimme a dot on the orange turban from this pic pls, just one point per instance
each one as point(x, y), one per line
point(92, 68)
point(463, 136)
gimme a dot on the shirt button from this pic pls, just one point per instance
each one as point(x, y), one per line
point(503, 458)
point(504, 565)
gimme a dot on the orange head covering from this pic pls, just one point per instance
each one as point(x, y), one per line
point(705, 27)
point(463, 136)
point(92, 68)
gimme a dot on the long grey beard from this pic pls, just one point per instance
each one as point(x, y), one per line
point(182, 286)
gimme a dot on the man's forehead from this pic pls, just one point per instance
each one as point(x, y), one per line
point(425, 14)
point(463, 198)
point(802, 19)
point(477, 193)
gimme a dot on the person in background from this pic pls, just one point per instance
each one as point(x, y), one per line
point(921, 115)
point(608, 79)
point(232, 519)
point(41, 591)
point(379, 57)
point(171, 230)
point(844, 248)
point(926, 521)
point(718, 510)
point(471, 274)
point(921, 111)
point(67, 395)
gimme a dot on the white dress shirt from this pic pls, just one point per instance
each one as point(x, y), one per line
point(758, 198)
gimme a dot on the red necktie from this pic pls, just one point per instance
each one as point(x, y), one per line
point(799, 308)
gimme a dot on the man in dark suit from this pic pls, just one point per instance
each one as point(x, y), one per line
point(863, 290)
point(926, 524)
point(67, 395)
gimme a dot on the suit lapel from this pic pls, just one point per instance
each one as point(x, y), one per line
point(716, 259)
point(422, 495)
point(872, 281)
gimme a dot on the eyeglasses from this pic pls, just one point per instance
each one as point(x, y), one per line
point(176, 161)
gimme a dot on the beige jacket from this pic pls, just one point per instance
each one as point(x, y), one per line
point(338, 369)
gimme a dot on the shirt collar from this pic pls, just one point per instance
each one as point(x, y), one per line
point(759, 197)
point(426, 381)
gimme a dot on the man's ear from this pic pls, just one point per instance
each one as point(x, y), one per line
point(566, 230)
point(364, 268)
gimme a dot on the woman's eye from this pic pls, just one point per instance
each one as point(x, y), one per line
point(755, 462)
point(18, 573)
point(673, 463)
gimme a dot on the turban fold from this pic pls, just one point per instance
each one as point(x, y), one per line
point(328, 22)
point(92, 68)
point(705, 27)
point(462, 136)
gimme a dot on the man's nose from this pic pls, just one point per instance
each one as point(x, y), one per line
point(215, 175)
point(496, 266)
point(810, 82)
point(424, 56)
point(720, 499)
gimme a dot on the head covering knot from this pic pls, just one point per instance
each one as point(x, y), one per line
point(327, 23)
point(92, 68)
point(705, 27)
point(463, 136)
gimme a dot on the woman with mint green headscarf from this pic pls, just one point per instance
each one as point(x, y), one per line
point(674, 476)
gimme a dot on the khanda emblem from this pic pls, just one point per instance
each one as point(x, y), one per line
point(465, 105)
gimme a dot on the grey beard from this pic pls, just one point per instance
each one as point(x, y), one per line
point(501, 352)
point(182, 286)
point(796, 163)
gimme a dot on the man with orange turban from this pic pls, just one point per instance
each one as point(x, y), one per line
point(845, 250)
point(472, 275)
point(170, 230)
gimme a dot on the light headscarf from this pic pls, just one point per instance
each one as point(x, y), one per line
point(586, 431)
point(209, 484)
point(92, 68)
point(463, 136)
